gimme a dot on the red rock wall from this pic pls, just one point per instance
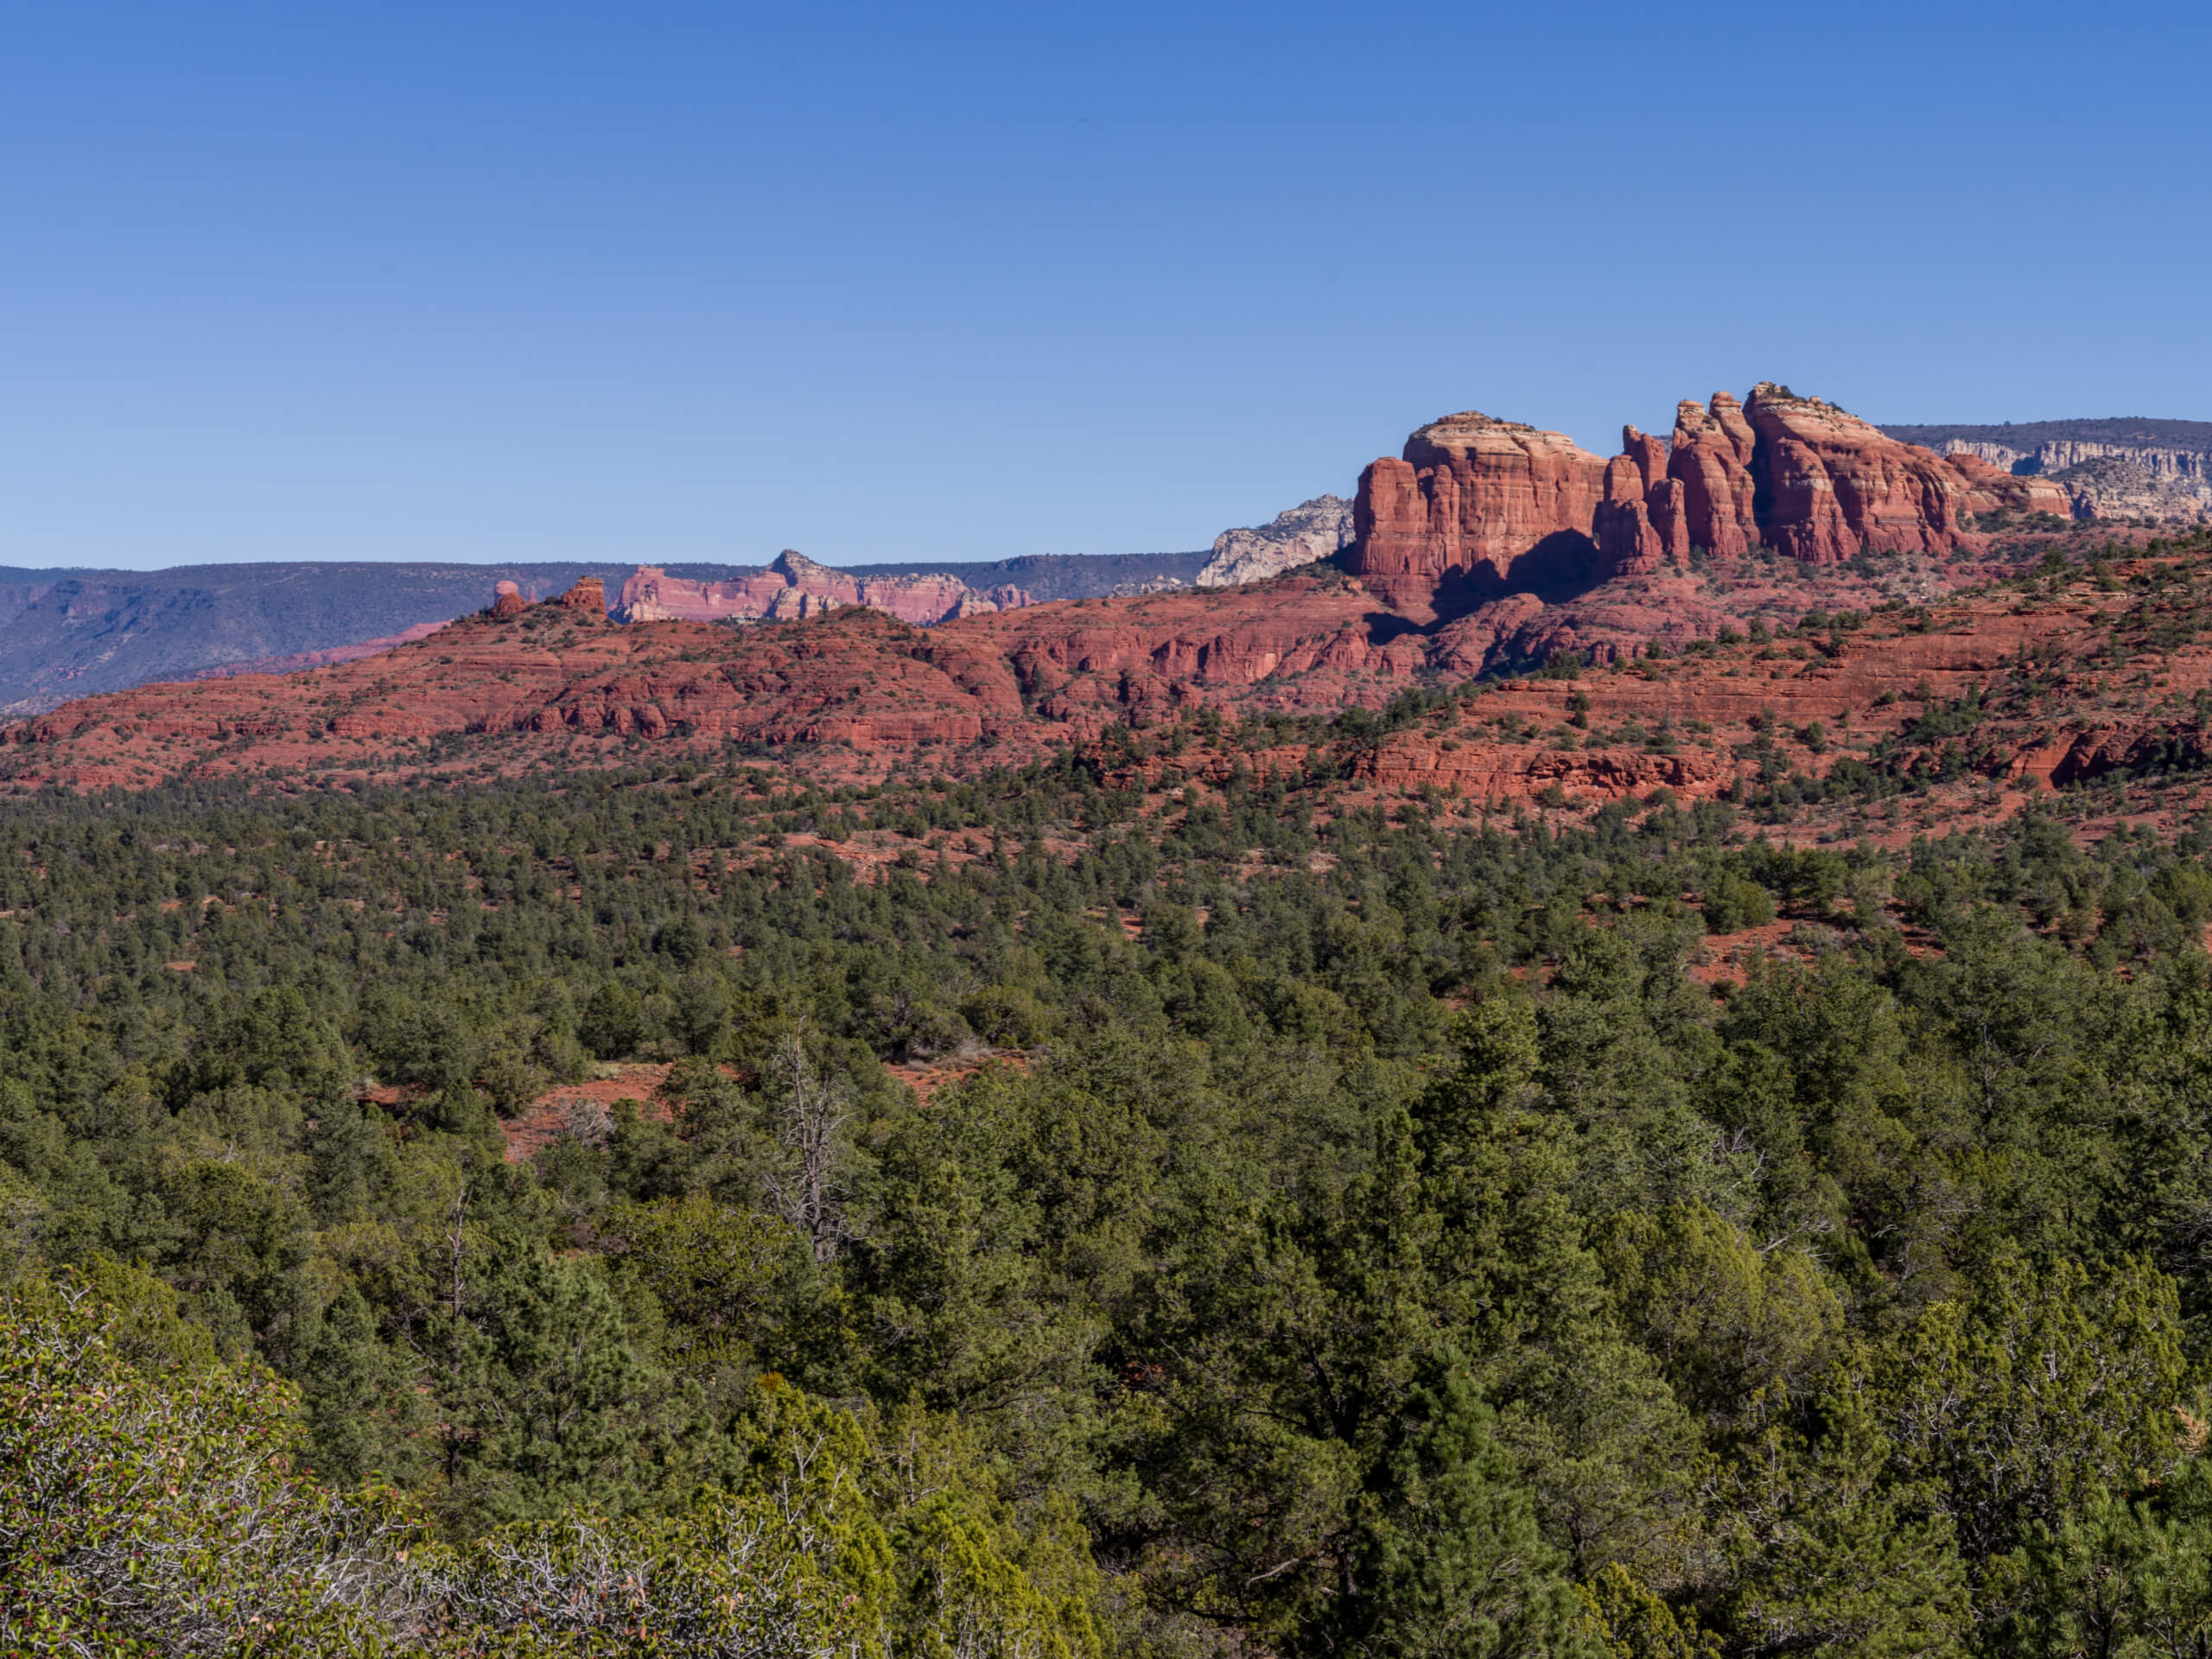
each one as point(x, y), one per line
point(1490, 506)
point(1710, 459)
point(1990, 490)
point(1473, 499)
point(795, 587)
point(1830, 485)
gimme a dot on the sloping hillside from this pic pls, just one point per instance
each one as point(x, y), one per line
point(2064, 676)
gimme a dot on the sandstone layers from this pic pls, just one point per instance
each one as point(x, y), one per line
point(847, 690)
point(1309, 532)
point(2109, 487)
point(855, 693)
point(795, 587)
point(1478, 506)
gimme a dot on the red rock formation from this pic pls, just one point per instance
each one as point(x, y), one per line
point(1990, 490)
point(1831, 486)
point(857, 694)
point(507, 602)
point(1649, 455)
point(1486, 506)
point(1642, 523)
point(1627, 543)
point(1495, 502)
point(1710, 459)
point(1016, 682)
point(1668, 508)
point(587, 598)
point(795, 587)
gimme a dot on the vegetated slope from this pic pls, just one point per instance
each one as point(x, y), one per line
point(66, 634)
point(850, 692)
point(1332, 1218)
point(70, 634)
point(2086, 671)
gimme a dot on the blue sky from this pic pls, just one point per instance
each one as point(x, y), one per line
point(668, 283)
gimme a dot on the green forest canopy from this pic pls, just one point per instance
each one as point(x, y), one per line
point(1379, 1242)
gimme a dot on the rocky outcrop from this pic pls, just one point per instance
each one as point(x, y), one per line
point(587, 599)
point(795, 587)
point(1710, 459)
point(2167, 449)
point(1476, 508)
point(1832, 486)
point(1989, 491)
point(854, 694)
point(1309, 532)
point(842, 691)
point(1644, 522)
point(1486, 504)
point(1628, 543)
point(2110, 488)
point(507, 602)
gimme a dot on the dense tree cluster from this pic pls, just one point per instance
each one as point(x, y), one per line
point(1333, 1232)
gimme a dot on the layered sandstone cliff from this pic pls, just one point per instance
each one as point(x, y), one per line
point(795, 586)
point(1479, 503)
point(2177, 450)
point(1832, 486)
point(2110, 488)
point(1989, 490)
point(1311, 531)
point(1476, 508)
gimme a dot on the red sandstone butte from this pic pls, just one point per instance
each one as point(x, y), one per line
point(587, 598)
point(1478, 507)
point(1505, 504)
point(1832, 486)
point(507, 601)
point(795, 587)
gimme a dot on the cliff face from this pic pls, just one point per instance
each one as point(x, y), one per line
point(2178, 450)
point(2111, 488)
point(1478, 507)
point(1477, 502)
point(1830, 484)
point(795, 586)
point(2060, 454)
point(1313, 529)
point(1990, 490)
point(1710, 458)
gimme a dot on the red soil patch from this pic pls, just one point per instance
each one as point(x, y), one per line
point(554, 1113)
point(925, 1079)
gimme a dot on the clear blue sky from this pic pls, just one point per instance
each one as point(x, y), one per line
point(662, 283)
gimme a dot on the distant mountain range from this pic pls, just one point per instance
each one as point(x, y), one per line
point(2172, 448)
point(1053, 575)
point(69, 633)
point(2025, 437)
